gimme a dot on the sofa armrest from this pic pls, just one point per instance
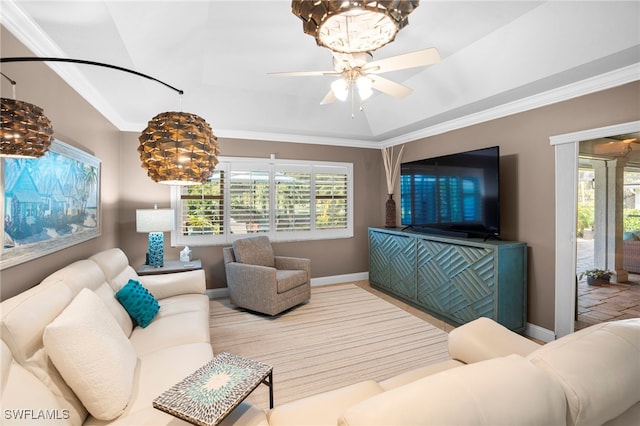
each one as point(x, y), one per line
point(484, 339)
point(167, 285)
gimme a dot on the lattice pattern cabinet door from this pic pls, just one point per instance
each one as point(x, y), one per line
point(434, 280)
point(392, 263)
point(473, 284)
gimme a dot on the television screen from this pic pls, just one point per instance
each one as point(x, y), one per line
point(455, 194)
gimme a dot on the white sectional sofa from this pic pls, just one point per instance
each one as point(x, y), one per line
point(173, 345)
point(495, 377)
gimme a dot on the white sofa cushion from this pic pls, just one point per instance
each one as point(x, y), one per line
point(501, 391)
point(323, 408)
point(483, 339)
point(93, 355)
point(599, 369)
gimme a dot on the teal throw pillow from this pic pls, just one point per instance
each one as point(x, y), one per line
point(138, 302)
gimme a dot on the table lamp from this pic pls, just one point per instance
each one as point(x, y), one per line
point(156, 222)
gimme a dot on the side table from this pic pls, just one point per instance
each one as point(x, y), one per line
point(170, 266)
point(210, 393)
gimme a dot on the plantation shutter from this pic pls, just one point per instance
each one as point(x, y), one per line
point(202, 207)
point(249, 198)
point(293, 199)
point(331, 198)
point(288, 200)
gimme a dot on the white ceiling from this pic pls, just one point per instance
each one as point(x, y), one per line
point(497, 58)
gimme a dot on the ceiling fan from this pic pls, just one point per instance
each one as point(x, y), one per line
point(621, 145)
point(355, 69)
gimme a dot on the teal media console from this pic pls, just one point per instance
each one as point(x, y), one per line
point(454, 279)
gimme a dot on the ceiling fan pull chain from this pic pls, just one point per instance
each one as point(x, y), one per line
point(352, 99)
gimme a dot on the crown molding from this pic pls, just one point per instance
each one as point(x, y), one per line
point(598, 83)
point(32, 36)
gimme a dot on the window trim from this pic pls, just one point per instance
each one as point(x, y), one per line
point(226, 164)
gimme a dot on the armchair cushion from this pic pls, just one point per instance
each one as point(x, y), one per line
point(287, 279)
point(254, 251)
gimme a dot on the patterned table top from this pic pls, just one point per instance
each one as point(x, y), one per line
point(210, 393)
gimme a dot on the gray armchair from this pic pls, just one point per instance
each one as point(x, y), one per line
point(262, 282)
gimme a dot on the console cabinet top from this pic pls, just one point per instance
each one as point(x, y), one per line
point(474, 242)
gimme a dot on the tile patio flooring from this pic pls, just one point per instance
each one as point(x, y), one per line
point(598, 304)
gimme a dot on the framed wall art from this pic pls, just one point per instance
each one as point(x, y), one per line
point(48, 203)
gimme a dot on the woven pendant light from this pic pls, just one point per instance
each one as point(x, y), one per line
point(353, 26)
point(24, 130)
point(178, 148)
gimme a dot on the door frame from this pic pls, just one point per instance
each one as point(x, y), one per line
point(566, 197)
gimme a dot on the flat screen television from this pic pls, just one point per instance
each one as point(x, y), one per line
point(456, 194)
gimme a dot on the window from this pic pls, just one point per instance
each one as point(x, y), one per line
point(287, 200)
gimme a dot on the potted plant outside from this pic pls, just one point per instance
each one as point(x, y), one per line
point(597, 276)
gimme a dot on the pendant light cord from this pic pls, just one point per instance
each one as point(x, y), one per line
point(84, 62)
point(13, 84)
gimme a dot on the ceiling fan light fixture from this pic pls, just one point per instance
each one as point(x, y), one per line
point(353, 26)
point(25, 132)
point(178, 148)
point(340, 89)
point(365, 87)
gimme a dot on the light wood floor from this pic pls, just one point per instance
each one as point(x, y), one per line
point(413, 311)
point(416, 312)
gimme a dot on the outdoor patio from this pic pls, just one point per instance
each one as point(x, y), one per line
point(598, 304)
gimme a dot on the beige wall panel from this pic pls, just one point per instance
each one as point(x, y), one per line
point(78, 124)
point(527, 178)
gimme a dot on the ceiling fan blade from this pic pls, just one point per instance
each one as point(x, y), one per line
point(419, 58)
point(302, 73)
point(389, 87)
point(329, 98)
point(609, 148)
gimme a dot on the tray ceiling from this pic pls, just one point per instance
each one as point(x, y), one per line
point(498, 58)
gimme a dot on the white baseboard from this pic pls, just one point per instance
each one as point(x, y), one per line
point(218, 293)
point(338, 279)
point(540, 333)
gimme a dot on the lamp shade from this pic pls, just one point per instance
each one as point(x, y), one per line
point(24, 130)
point(354, 25)
point(155, 220)
point(178, 148)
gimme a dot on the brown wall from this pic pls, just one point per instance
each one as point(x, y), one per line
point(527, 183)
point(527, 174)
point(329, 257)
point(76, 123)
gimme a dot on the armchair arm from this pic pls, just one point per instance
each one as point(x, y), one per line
point(483, 339)
point(250, 281)
point(293, 263)
point(167, 285)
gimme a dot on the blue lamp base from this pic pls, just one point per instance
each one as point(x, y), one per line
point(156, 249)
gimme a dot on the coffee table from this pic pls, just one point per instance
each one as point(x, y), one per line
point(209, 394)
